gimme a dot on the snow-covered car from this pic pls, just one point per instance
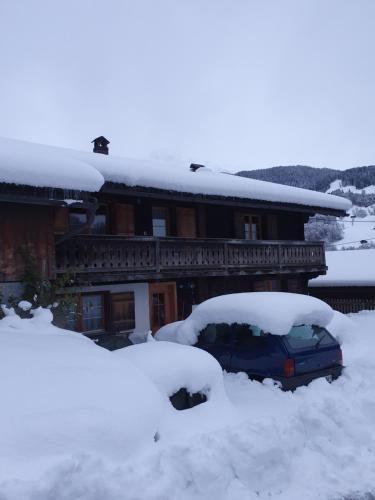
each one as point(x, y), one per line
point(275, 335)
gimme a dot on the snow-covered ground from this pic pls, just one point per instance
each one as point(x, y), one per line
point(316, 443)
point(337, 184)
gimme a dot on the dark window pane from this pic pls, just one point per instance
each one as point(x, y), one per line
point(217, 334)
point(76, 220)
point(304, 336)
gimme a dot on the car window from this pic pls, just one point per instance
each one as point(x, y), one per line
point(248, 336)
point(303, 336)
point(218, 334)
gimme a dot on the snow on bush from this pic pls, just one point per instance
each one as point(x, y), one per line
point(273, 312)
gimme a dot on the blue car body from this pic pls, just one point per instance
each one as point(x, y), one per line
point(295, 359)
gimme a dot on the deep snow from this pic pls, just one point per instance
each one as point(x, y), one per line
point(315, 443)
point(47, 166)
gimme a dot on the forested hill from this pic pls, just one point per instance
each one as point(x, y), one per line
point(318, 179)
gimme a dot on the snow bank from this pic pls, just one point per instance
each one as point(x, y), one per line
point(38, 165)
point(62, 395)
point(315, 443)
point(173, 367)
point(348, 268)
point(274, 312)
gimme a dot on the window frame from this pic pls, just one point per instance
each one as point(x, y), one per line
point(166, 211)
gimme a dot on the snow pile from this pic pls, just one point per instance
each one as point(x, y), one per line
point(273, 312)
point(315, 443)
point(39, 165)
point(348, 268)
point(172, 367)
point(62, 395)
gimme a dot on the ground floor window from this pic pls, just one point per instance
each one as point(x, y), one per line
point(87, 315)
point(270, 285)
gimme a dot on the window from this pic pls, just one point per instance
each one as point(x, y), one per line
point(249, 336)
point(267, 286)
point(92, 313)
point(87, 315)
point(160, 221)
point(99, 225)
point(303, 336)
point(217, 334)
point(248, 226)
point(123, 311)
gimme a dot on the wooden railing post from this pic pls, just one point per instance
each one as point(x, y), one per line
point(226, 255)
point(157, 255)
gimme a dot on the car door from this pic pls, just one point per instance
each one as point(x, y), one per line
point(216, 339)
point(255, 353)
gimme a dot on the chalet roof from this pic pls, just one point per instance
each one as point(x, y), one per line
point(39, 165)
point(348, 268)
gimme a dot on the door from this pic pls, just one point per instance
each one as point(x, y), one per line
point(186, 222)
point(163, 304)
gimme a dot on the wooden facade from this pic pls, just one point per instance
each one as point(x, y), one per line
point(167, 250)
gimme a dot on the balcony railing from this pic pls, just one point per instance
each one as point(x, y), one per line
point(157, 256)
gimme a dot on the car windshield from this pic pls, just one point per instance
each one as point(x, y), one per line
point(303, 336)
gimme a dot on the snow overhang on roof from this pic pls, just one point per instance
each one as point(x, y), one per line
point(38, 165)
point(348, 268)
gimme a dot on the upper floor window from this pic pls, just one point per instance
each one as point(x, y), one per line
point(160, 221)
point(78, 218)
point(248, 226)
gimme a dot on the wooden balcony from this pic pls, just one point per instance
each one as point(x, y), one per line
point(115, 258)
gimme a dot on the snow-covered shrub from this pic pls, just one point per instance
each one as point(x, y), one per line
point(324, 228)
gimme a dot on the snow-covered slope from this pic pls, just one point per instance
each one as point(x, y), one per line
point(38, 165)
point(338, 185)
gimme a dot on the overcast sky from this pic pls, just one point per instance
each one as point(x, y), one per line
point(233, 83)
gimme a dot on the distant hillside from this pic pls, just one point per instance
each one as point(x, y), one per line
point(318, 179)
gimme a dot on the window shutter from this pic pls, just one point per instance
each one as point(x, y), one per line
point(124, 219)
point(60, 220)
point(187, 223)
point(272, 227)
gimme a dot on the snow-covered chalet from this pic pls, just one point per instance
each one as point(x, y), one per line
point(145, 241)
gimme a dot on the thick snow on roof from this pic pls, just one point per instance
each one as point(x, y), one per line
point(38, 165)
point(348, 268)
point(273, 312)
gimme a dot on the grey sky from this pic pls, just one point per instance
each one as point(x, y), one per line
point(233, 83)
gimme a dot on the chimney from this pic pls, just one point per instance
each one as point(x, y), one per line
point(100, 145)
point(194, 167)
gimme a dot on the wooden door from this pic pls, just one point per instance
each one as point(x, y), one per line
point(186, 222)
point(163, 304)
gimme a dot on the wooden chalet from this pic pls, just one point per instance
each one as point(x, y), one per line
point(144, 243)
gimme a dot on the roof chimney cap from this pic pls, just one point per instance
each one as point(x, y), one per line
point(101, 145)
point(195, 166)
